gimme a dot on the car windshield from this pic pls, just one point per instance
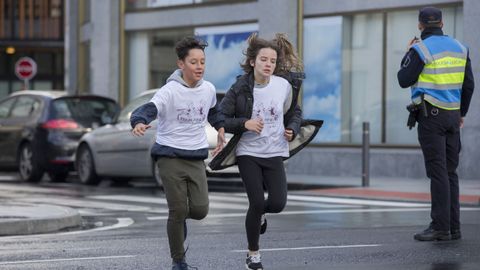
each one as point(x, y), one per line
point(89, 112)
point(130, 107)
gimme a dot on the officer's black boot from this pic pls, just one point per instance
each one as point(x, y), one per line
point(456, 234)
point(431, 234)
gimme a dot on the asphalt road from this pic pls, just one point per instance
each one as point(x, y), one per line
point(125, 228)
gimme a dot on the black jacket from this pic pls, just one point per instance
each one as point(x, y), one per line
point(412, 65)
point(236, 108)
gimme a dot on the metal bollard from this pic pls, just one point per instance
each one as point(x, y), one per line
point(366, 155)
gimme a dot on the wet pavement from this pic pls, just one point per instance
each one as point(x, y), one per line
point(124, 228)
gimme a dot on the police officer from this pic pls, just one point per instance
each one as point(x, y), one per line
point(438, 69)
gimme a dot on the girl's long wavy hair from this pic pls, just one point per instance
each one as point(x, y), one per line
point(287, 58)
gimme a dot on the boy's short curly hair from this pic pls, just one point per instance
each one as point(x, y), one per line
point(186, 44)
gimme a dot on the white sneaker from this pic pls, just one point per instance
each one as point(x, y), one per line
point(254, 262)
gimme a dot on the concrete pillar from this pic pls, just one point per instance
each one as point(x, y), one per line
point(71, 46)
point(139, 63)
point(278, 16)
point(104, 50)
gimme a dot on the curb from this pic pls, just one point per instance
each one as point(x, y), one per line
point(24, 218)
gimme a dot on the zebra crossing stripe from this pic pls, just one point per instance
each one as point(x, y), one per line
point(355, 201)
point(88, 204)
point(312, 247)
point(323, 211)
point(163, 201)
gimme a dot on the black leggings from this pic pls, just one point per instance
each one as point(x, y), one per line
point(257, 174)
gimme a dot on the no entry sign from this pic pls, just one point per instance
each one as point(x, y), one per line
point(25, 68)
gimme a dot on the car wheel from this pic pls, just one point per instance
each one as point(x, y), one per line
point(86, 167)
point(58, 176)
point(156, 174)
point(28, 166)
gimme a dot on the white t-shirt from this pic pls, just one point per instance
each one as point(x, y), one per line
point(268, 104)
point(182, 114)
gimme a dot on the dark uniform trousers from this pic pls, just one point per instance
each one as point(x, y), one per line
point(439, 137)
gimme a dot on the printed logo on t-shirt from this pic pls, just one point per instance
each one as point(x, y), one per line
point(194, 113)
point(269, 114)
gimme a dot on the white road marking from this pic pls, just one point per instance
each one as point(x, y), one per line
point(9, 178)
point(308, 248)
point(305, 212)
point(216, 201)
point(128, 198)
point(69, 259)
point(122, 223)
point(290, 203)
point(163, 201)
point(90, 204)
point(355, 201)
point(37, 189)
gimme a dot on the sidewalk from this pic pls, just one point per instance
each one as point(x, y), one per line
point(18, 218)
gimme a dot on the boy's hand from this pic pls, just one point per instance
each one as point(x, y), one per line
point(220, 142)
point(140, 129)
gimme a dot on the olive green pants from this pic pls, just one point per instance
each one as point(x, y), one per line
point(185, 185)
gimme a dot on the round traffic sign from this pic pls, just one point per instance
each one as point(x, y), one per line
point(25, 68)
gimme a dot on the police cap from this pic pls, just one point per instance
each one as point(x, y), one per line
point(430, 16)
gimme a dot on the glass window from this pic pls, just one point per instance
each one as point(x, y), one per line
point(5, 107)
point(24, 107)
point(136, 4)
point(163, 59)
point(86, 6)
point(323, 67)
point(348, 80)
point(3, 59)
point(224, 53)
point(402, 26)
point(341, 88)
point(405, 26)
point(4, 89)
point(135, 103)
point(362, 77)
point(152, 58)
point(87, 111)
point(45, 64)
point(42, 85)
point(84, 68)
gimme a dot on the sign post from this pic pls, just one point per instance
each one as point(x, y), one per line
point(25, 69)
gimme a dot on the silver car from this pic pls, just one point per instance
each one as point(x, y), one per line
point(112, 151)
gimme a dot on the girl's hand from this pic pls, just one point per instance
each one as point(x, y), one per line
point(288, 134)
point(140, 129)
point(255, 125)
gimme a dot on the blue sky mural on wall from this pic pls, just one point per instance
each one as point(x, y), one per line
point(224, 53)
point(323, 68)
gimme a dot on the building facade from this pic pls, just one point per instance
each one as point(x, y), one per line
point(351, 50)
point(34, 29)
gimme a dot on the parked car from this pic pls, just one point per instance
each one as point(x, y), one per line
point(112, 150)
point(40, 130)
